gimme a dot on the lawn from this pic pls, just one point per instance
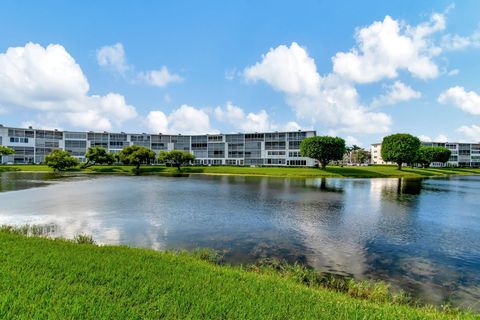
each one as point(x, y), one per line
point(376, 171)
point(57, 279)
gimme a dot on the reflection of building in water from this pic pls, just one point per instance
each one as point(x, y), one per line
point(463, 154)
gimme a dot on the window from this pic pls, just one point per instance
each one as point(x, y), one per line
point(216, 150)
point(253, 162)
point(294, 145)
point(275, 136)
point(118, 137)
point(294, 154)
point(297, 135)
point(75, 144)
point(215, 138)
point(277, 145)
point(18, 140)
point(275, 161)
point(255, 137)
point(75, 135)
point(118, 144)
point(276, 153)
point(297, 162)
point(235, 138)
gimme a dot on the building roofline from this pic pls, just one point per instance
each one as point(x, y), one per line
point(158, 133)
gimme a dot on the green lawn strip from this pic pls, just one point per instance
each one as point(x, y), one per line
point(41, 278)
point(377, 171)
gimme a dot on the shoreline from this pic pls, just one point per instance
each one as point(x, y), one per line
point(197, 285)
point(368, 172)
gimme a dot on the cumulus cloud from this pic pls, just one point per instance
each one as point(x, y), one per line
point(286, 69)
point(397, 92)
point(327, 100)
point(457, 96)
point(159, 78)
point(186, 120)
point(113, 58)
point(470, 132)
point(250, 122)
point(386, 47)
point(439, 138)
point(49, 80)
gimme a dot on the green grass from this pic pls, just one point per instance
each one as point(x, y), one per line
point(376, 171)
point(58, 279)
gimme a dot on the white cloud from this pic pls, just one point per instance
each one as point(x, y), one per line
point(251, 122)
point(159, 78)
point(470, 132)
point(157, 121)
point(397, 92)
point(350, 140)
point(453, 72)
point(439, 138)
point(386, 47)
point(185, 120)
point(48, 79)
point(330, 100)
point(113, 58)
point(454, 42)
point(424, 138)
point(286, 69)
point(457, 96)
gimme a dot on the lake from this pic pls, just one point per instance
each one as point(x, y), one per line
point(419, 235)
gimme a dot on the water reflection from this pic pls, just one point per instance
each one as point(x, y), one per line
point(420, 235)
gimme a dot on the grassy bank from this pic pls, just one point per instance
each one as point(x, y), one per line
point(331, 171)
point(42, 278)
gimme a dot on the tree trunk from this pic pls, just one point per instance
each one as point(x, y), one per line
point(324, 164)
point(399, 164)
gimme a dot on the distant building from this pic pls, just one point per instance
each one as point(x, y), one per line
point(376, 154)
point(463, 154)
point(244, 149)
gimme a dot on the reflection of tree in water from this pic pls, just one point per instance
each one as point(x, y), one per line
point(401, 189)
point(324, 184)
point(12, 181)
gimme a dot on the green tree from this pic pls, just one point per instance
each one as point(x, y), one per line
point(427, 155)
point(136, 155)
point(60, 160)
point(323, 148)
point(5, 151)
point(441, 155)
point(176, 158)
point(98, 155)
point(400, 148)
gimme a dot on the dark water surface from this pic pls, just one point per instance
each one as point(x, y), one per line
point(420, 235)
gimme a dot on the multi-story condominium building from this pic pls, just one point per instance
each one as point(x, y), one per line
point(463, 154)
point(259, 148)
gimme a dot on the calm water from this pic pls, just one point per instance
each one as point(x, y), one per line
point(420, 235)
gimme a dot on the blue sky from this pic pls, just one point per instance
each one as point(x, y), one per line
point(360, 71)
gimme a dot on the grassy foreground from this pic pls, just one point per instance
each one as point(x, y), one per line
point(377, 171)
point(57, 279)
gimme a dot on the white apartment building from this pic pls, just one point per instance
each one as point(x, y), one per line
point(244, 149)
